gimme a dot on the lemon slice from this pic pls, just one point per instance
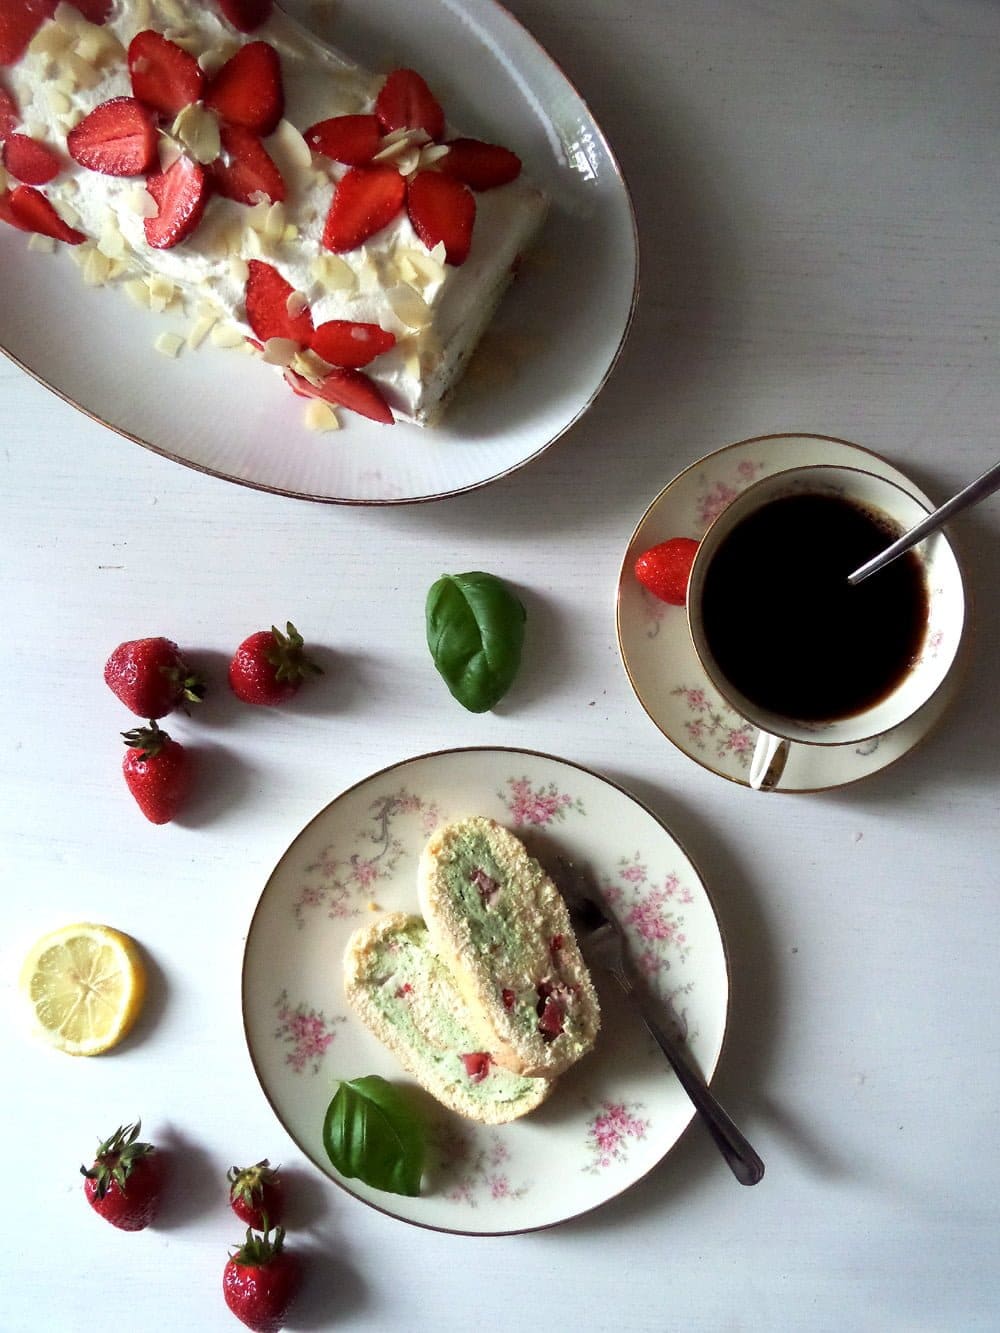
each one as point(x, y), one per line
point(86, 984)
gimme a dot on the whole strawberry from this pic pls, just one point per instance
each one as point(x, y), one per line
point(151, 677)
point(158, 771)
point(260, 1281)
point(125, 1182)
point(269, 667)
point(665, 569)
point(257, 1195)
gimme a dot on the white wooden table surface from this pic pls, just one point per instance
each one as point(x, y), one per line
point(819, 208)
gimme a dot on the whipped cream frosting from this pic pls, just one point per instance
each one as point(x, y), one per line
point(437, 312)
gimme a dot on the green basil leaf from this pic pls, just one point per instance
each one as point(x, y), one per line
point(475, 630)
point(370, 1131)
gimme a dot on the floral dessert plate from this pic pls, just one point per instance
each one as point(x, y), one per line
point(613, 1116)
point(544, 359)
point(656, 648)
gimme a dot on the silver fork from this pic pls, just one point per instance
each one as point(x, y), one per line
point(603, 943)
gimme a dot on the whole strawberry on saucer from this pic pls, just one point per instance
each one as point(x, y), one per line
point(665, 569)
point(151, 677)
point(269, 667)
point(260, 1281)
point(158, 772)
point(125, 1182)
point(257, 1195)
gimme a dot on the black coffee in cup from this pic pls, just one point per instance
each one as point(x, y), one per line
point(787, 629)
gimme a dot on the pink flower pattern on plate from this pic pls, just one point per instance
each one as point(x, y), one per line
point(609, 1132)
point(337, 880)
point(537, 805)
point(648, 914)
point(308, 1031)
point(713, 725)
point(472, 1166)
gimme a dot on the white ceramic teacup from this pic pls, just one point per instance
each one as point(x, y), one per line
point(942, 634)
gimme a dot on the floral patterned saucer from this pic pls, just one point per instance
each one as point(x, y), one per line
point(656, 648)
point(613, 1116)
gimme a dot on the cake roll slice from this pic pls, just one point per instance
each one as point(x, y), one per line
point(408, 999)
point(500, 925)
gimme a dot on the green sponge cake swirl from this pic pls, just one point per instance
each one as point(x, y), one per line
point(411, 1003)
point(501, 927)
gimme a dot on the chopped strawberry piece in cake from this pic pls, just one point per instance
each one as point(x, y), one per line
point(551, 1020)
point(346, 388)
point(164, 76)
point(245, 170)
point(508, 997)
point(477, 1065)
point(269, 303)
point(345, 343)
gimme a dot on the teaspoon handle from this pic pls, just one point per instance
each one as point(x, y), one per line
point(742, 1160)
point(975, 491)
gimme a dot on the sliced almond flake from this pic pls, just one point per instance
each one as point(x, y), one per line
point(320, 417)
point(96, 269)
point(137, 292)
point(80, 253)
point(430, 272)
point(239, 270)
point(410, 348)
point(141, 202)
point(296, 303)
point(432, 153)
point(86, 74)
point(409, 306)
point(169, 344)
point(200, 330)
point(252, 244)
point(118, 268)
point(439, 252)
point(291, 233)
point(169, 150)
point(111, 242)
point(289, 141)
point(98, 46)
point(280, 351)
point(43, 244)
point(211, 61)
point(310, 366)
point(408, 162)
point(72, 118)
point(256, 215)
point(186, 39)
point(59, 103)
point(51, 39)
point(171, 12)
point(68, 214)
point(333, 273)
point(225, 335)
point(65, 83)
point(198, 130)
point(274, 225)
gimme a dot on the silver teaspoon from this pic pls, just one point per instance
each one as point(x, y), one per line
point(972, 494)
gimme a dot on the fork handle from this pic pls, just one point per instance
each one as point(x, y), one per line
point(742, 1160)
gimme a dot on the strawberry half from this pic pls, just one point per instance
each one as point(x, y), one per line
point(246, 15)
point(9, 116)
point(366, 200)
point(28, 209)
point(267, 295)
point(247, 89)
point(406, 103)
point(442, 209)
point(245, 171)
point(117, 138)
point(30, 161)
point(346, 388)
point(164, 76)
point(483, 166)
point(344, 343)
point(19, 21)
point(181, 193)
point(665, 569)
point(353, 140)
